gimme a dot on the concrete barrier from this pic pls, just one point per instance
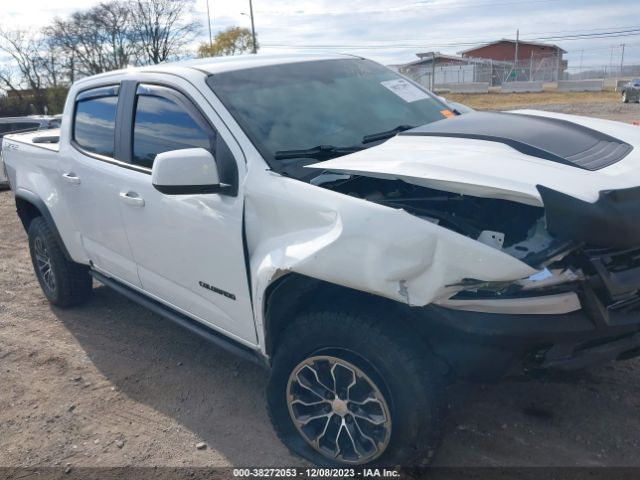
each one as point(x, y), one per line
point(521, 87)
point(580, 85)
point(469, 87)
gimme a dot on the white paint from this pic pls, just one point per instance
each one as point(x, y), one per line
point(190, 166)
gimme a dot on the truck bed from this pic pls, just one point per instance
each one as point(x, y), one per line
point(48, 139)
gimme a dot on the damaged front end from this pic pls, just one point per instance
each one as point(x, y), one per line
point(537, 189)
point(516, 229)
point(574, 225)
point(580, 308)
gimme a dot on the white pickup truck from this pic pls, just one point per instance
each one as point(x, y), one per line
point(340, 225)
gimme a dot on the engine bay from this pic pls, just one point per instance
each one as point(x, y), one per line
point(514, 227)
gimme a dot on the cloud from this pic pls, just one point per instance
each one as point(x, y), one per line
point(392, 31)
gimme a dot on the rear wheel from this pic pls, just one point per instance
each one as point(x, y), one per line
point(625, 98)
point(346, 390)
point(63, 282)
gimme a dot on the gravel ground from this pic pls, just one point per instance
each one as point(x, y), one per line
point(621, 112)
point(110, 384)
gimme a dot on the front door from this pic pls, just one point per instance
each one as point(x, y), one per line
point(188, 248)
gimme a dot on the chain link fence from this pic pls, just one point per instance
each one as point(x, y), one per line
point(546, 69)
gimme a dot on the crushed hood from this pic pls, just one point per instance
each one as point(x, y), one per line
point(507, 156)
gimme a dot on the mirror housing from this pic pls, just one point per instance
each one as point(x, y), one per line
point(191, 171)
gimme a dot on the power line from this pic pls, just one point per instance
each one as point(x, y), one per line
point(420, 4)
point(592, 36)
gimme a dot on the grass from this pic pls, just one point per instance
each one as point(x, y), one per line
point(514, 100)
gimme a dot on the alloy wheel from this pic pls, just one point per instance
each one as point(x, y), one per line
point(43, 261)
point(338, 409)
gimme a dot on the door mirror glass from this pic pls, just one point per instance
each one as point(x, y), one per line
point(189, 171)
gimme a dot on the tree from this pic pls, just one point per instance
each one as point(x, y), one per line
point(28, 66)
point(96, 40)
point(163, 28)
point(232, 41)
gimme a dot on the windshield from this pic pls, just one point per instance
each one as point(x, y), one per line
point(335, 103)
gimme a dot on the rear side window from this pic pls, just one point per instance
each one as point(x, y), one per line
point(25, 126)
point(18, 127)
point(164, 123)
point(95, 121)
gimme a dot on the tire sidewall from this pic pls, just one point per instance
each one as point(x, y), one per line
point(383, 366)
point(38, 230)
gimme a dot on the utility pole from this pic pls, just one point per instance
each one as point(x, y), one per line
point(581, 57)
point(622, 60)
point(253, 28)
point(515, 59)
point(611, 62)
point(433, 71)
point(209, 24)
point(531, 67)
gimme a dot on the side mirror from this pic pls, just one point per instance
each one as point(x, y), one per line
point(191, 171)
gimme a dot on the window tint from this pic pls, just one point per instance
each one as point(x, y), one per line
point(161, 125)
point(18, 127)
point(94, 124)
point(5, 128)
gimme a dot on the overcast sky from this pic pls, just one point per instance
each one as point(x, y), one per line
point(392, 31)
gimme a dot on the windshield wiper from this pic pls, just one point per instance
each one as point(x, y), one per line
point(374, 137)
point(321, 152)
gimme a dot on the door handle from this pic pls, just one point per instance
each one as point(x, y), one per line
point(71, 178)
point(132, 198)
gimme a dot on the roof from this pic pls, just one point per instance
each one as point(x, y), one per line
point(521, 42)
point(213, 65)
point(429, 56)
point(437, 55)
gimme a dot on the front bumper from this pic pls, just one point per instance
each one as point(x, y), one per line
point(488, 345)
point(605, 328)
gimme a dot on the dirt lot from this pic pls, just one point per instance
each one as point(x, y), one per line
point(595, 104)
point(110, 384)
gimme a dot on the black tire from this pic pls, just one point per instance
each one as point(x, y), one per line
point(625, 98)
point(397, 364)
point(63, 282)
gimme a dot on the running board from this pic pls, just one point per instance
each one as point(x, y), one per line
point(193, 326)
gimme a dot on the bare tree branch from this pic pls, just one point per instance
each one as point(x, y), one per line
point(163, 28)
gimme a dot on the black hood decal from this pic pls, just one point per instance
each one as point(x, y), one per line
point(547, 138)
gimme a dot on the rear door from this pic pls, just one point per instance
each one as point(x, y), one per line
point(189, 248)
point(91, 175)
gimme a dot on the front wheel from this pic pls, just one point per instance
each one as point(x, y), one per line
point(625, 98)
point(347, 390)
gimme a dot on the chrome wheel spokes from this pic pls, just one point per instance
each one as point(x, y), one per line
point(338, 409)
point(43, 261)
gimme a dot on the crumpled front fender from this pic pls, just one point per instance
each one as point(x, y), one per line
point(292, 226)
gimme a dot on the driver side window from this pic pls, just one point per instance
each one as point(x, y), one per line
point(163, 123)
